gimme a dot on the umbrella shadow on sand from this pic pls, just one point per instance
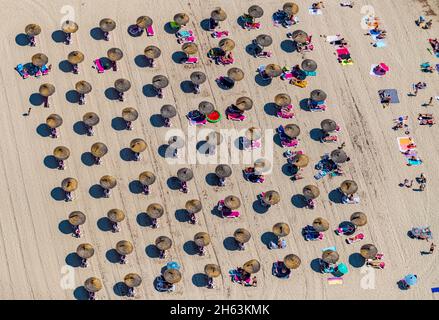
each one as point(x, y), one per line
point(216, 212)
point(303, 104)
point(22, 39)
point(261, 81)
point(289, 46)
point(135, 187)
point(205, 24)
point(43, 130)
point(315, 265)
point(96, 191)
point(271, 109)
point(168, 29)
point(156, 121)
point(182, 215)
point(187, 86)
point(112, 256)
point(58, 36)
point(111, 94)
point(152, 251)
point(230, 244)
point(51, 162)
point(190, 248)
point(259, 208)
point(80, 128)
point(58, 194)
point(173, 183)
point(126, 154)
point(80, 293)
point(118, 124)
point(199, 280)
point(316, 134)
point(356, 260)
point(336, 196)
point(212, 179)
point(268, 237)
point(143, 220)
point(299, 201)
point(72, 96)
point(65, 227)
point(178, 57)
point(141, 61)
point(97, 33)
point(149, 91)
point(104, 224)
point(65, 66)
point(87, 159)
point(73, 260)
point(36, 99)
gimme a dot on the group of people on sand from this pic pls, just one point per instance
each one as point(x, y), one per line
point(421, 180)
point(421, 22)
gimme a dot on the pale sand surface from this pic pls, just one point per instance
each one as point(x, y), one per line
point(33, 249)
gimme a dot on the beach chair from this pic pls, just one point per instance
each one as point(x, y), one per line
point(330, 139)
point(191, 60)
point(189, 39)
point(23, 73)
point(235, 116)
point(299, 83)
point(184, 33)
point(150, 31)
point(99, 66)
point(286, 113)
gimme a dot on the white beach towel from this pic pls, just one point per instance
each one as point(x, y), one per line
point(315, 11)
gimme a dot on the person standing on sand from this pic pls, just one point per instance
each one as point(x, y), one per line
point(432, 246)
point(28, 112)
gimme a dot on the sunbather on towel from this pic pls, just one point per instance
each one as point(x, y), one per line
point(317, 5)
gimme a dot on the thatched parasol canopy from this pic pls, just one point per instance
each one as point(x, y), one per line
point(90, 119)
point(152, 52)
point(271, 197)
point(255, 11)
point(273, 70)
point(181, 19)
point(83, 87)
point(202, 239)
point(85, 251)
point(292, 261)
point(39, 59)
point(99, 149)
point(300, 36)
point(54, 121)
point(242, 235)
point(47, 89)
point(77, 218)
point(309, 65)
point(177, 142)
point(32, 29)
point(155, 210)
point(168, 111)
point(318, 95)
point(93, 284)
point(232, 202)
point(69, 184)
point(244, 103)
point(61, 153)
point(160, 82)
point(193, 206)
point(227, 44)
point(130, 114)
point(311, 191)
point(107, 25)
point(132, 280)
point(163, 243)
point(292, 130)
point(320, 224)
point(330, 256)
point(281, 229)
point(206, 107)
point(282, 100)
point(212, 270)
point(218, 14)
point(138, 145)
point(261, 166)
point(189, 48)
point(116, 215)
point(124, 247)
point(198, 77)
point(223, 171)
point(359, 219)
point(75, 57)
point(144, 22)
point(290, 8)
point(185, 174)
point(122, 85)
point(108, 182)
point(264, 40)
point(368, 251)
point(114, 54)
point(172, 276)
point(339, 156)
point(253, 133)
point(69, 26)
point(147, 178)
point(300, 160)
point(328, 125)
point(349, 187)
point(252, 266)
point(235, 74)
point(214, 138)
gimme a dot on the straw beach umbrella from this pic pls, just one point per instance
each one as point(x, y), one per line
point(160, 82)
point(163, 243)
point(176, 142)
point(232, 202)
point(320, 225)
point(318, 95)
point(202, 239)
point(152, 52)
point(339, 156)
point(218, 14)
point(273, 70)
point(54, 121)
point(359, 219)
point(39, 59)
point(185, 174)
point(114, 54)
point(299, 36)
point(281, 229)
point(130, 114)
point(244, 103)
point(292, 130)
point(189, 48)
point(122, 85)
point(69, 184)
point(212, 270)
point(99, 149)
point(107, 25)
point(255, 11)
point(368, 251)
point(227, 44)
point(300, 160)
point(311, 191)
point(155, 210)
point(292, 261)
point(46, 90)
point(181, 19)
point(85, 251)
point(328, 125)
point(172, 276)
point(77, 218)
point(206, 107)
point(168, 111)
point(144, 22)
point(75, 57)
point(290, 8)
point(132, 280)
point(349, 187)
point(61, 153)
point(264, 40)
point(242, 235)
point(93, 284)
point(90, 119)
point(124, 247)
point(253, 133)
point(193, 206)
point(69, 26)
point(235, 74)
point(271, 197)
point(330, 256)
point(116, 215)
point(83, 87)
point(309, 65)
point(252, 266)
point(198, 77)
point(32, 30)
point(108, 182)
point(138, 145)
point(223, 171)
point(262, 166)
point(147, 178)
point(282, 100)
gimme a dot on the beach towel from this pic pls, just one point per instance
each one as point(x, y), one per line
point(335, 280)
point(373, 73)
point(349, 62)
point(393, 93)
point(403, 142)
point(333, 38)
point(329, 248)
point(380, 44)
point(315, 11)
point(434, 290)
point(416, 162)
point(343, 53)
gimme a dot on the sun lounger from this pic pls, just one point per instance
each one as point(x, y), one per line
point(99, 66)
point(250, 25)
point(414, 162)
point(184, 33)
point(357, 238)
point(23, 73)
point(150, 31)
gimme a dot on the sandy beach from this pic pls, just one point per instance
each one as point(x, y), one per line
point(35, 244)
